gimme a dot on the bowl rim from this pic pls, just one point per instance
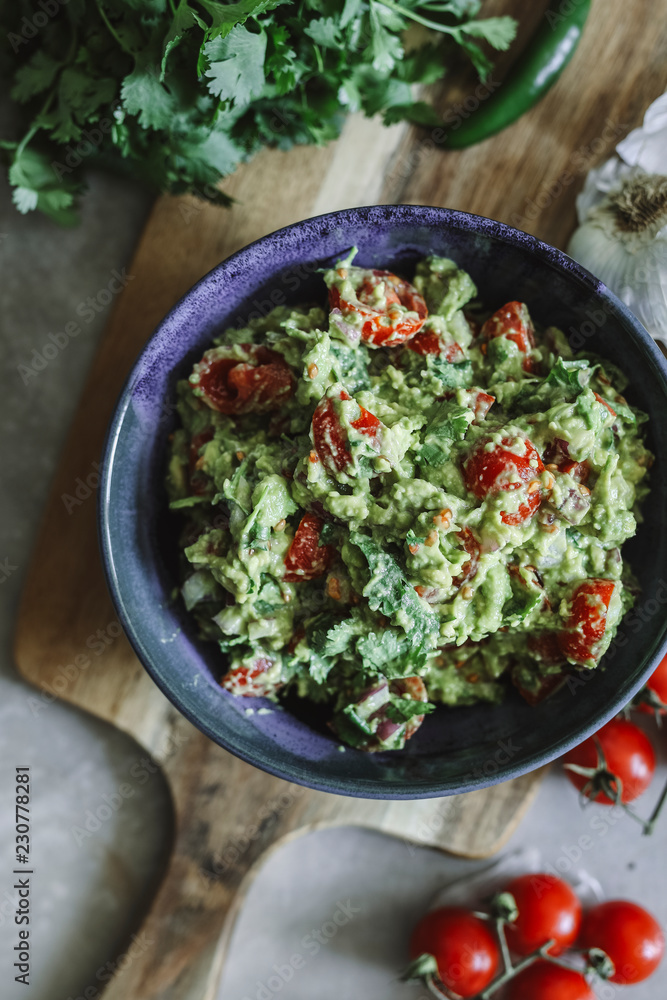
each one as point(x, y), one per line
point(389, 789)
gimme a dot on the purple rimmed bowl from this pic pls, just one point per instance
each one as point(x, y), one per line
point(456, 749)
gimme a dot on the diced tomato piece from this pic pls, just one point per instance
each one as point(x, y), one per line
point(330, 438)
point(472, 547)
point(258, 384)
point(428, 342)
point(513, 321)
point(604, 403)
point(249, 680)
point(306, 559)
point(391, 317)
point(504, 469)
point(525, 511)
point(579, 471)
point(587, 621)
point(545, 648)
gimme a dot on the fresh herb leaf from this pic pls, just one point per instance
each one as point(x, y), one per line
point(179, 92)
point(404, 709)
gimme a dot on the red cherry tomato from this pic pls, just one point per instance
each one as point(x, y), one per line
point(250, 680)
point(631, 937)
point(548, 908)
point(545, 981)
point(306, 559)
point(657, 683)
point(587, 620)
point(506, 467)
point(628, 755)
point(259, 383)
point(428, 342)
point(513, 321)
point(463, 946)
point(330, 438)
point(393, 311)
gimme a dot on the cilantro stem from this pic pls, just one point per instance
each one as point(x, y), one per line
point(424, 21)
point(110, 28)
point(653, 818)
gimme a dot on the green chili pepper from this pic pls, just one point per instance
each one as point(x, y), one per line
point(544, 59)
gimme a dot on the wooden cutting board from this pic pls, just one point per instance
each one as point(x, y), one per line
point(68, 642)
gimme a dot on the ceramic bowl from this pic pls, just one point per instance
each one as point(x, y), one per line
point(456, 749)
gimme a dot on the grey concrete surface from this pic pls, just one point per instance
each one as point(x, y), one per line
point(90, 888)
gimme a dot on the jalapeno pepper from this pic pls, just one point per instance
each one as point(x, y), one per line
point(545, 57)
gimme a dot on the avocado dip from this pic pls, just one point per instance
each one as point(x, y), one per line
point(404, 500)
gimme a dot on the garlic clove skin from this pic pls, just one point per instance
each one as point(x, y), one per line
point(623, 241)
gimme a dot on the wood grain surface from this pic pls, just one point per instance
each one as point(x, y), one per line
point(68, 642)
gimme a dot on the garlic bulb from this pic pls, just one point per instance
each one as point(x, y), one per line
point(622, 209)
point(624, 243)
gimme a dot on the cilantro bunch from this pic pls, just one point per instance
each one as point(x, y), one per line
point(179, 92)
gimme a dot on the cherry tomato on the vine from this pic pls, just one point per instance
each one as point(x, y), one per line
point(545, 981)
point(657, 684)
point(548, 909)
point(628, 933)
point(628, 755)
point(464, 947)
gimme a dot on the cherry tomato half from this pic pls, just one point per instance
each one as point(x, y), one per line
point(548, 908)
point(628, 755)
point(657, 683)
point(306, 559)
point(631, 937)
point(513, 321)
point(330, 438)
point(428, 342)
point(545, 981)
point(463, 946)
point(257, 383)
point(508, 466)
point(587, 620)
point(392, 310)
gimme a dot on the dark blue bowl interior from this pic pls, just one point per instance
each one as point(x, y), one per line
point(456, 749)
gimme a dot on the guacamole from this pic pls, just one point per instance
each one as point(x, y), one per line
point(404, 499)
